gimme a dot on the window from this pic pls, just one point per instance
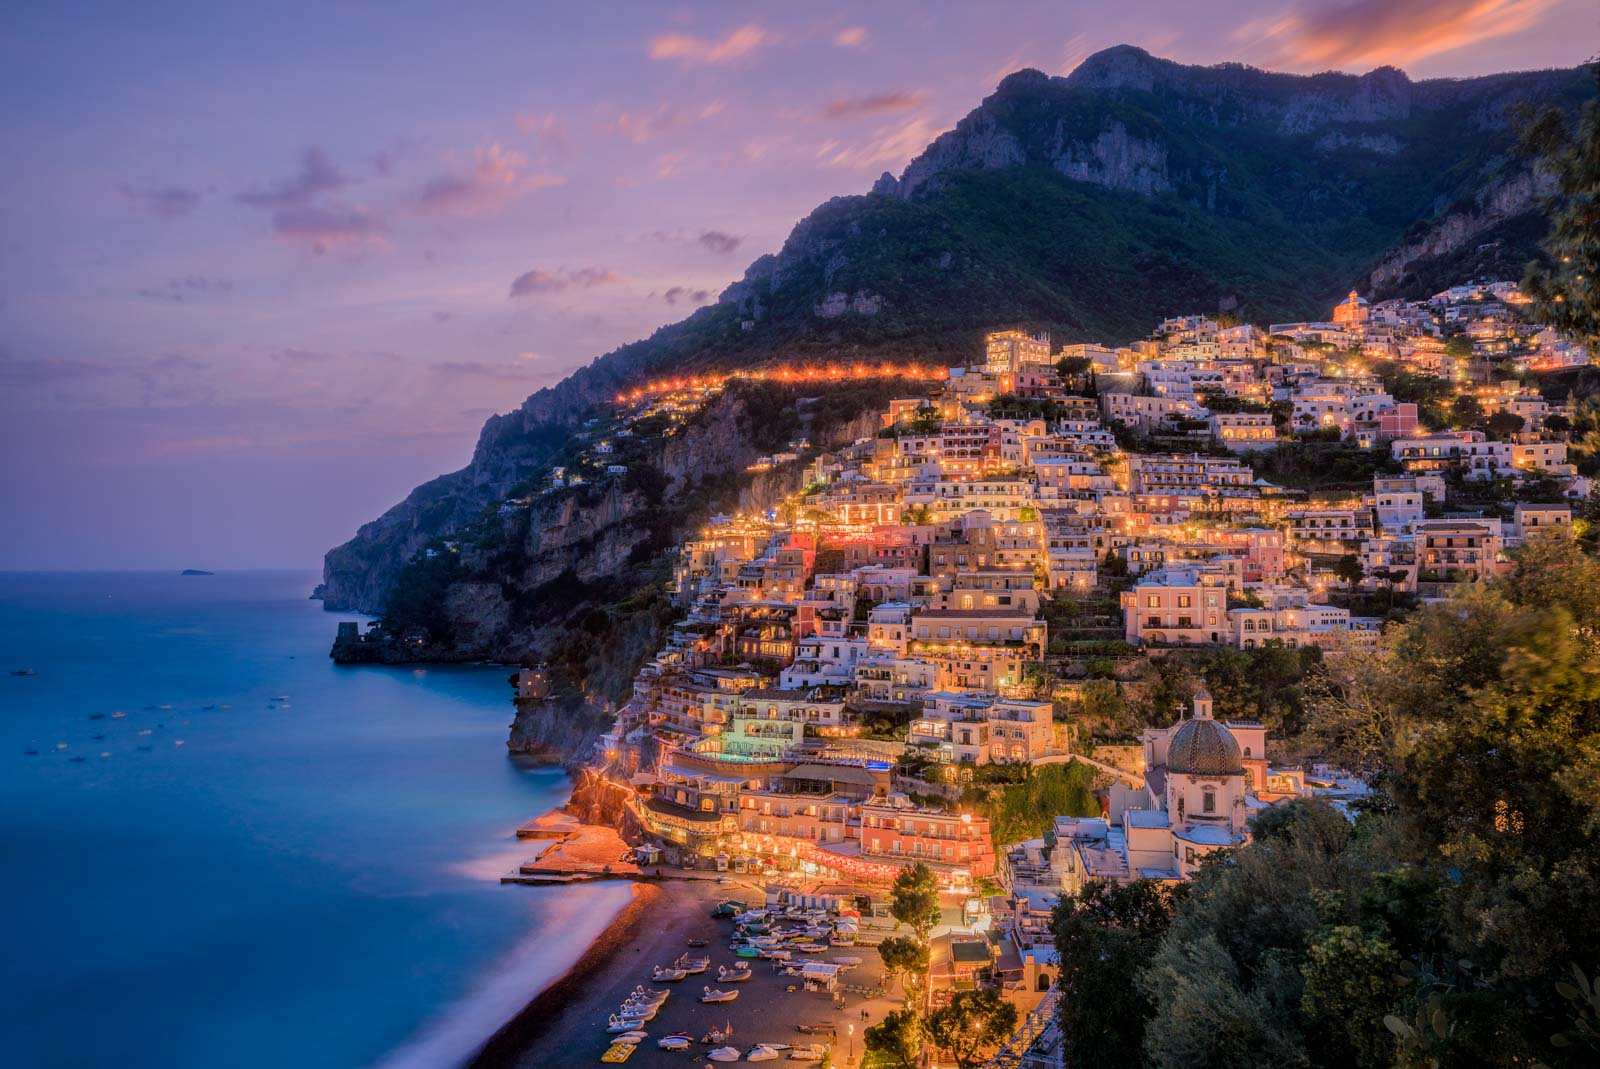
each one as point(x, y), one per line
point(1208, 802)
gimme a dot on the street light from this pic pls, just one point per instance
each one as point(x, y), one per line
point(850, 1030)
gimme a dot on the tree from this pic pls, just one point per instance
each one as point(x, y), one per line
point(897, 1039)
point(1465, 411)
point(972, 1023)
point(1566, 291)
point(1104, 935)
point(914, 899)
point(1352, 981)
point(904, 955)
point(1504, 424)
point(1349, 569)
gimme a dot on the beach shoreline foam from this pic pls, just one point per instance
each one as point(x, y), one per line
point(546, 1009)
point(456, 1035)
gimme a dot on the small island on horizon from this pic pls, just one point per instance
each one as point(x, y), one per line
point(196, 571)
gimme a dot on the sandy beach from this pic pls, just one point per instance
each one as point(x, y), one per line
point(564, 1025)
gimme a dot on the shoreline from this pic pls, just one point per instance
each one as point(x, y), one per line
point(512, 1040)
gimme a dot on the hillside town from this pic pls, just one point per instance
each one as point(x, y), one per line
point(928, 612)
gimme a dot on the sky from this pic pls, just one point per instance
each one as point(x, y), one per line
point(264, 268)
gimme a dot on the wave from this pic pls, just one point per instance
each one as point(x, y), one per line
point(571, 918)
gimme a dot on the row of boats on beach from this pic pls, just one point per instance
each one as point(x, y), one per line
point(776, 935)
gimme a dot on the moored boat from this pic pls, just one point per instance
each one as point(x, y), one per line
point(725, 1054)
point(713, 995)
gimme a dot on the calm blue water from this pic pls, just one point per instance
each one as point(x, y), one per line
point(309, 885)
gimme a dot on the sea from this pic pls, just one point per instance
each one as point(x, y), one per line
point(219, 848)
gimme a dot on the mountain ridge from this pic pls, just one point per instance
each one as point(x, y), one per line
point(1089, 205)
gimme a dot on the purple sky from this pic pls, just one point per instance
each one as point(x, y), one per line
point(265, 268)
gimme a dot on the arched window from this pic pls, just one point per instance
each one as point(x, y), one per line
point(1180, 809)
point(1247, 751)
point(1208, 802)
point(1044, 981)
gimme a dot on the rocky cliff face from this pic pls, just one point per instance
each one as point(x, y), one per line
point(1497, 204)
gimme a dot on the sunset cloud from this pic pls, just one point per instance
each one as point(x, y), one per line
point(699, 51)
point(889, 147)
point(874, 103)
point(1371, 33)
point(686, 294)
point(317, 175)
point(324, 227)
point(166, 202)
point(642, 126)
point(718, 242)
point(851, 37)
point(548, 128)
point(494, 181)
point(538, 281)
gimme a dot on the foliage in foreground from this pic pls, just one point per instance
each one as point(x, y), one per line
point(1442, 927)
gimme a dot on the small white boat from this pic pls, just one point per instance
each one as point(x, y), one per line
point(644, 994)
point(633, 1037)
point(713, 995)
point(725, 1054)
point(810, 1053)
point(735, 975)
point(761, 1053)
point(674, 1042)
point(667, 975)
point(811, 948)
point(616, 1025)
point(847, 963)
point(633, 1011)
point(692, 965)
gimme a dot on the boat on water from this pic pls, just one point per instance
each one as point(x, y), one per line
point(761, 1053)
point(677, 1041)
point(632, 1037)
point(665, 974)
point(698, 942)
point(811, 948)
point(747, 952)
point(692, 965)
point(617, 1025)
point(644, 994)
point(725, 1054)
point(817, 1029)
point(713, 995)
point(617, 1053)
point(810, 1053)
point(637, 1011)
point(735, 975)
point(847, 962)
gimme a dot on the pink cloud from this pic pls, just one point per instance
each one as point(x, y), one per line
point(495, 180)
point(539, 280)
point(1369, 33)
point(888, 147)
point(641, 126)
point(696, 51)
point(329, 227)
point(851, 37)
point(548, 128)
point(874, 103)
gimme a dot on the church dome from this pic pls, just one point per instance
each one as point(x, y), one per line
point(1203, 747)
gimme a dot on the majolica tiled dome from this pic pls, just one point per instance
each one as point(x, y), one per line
point(1203, 747)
